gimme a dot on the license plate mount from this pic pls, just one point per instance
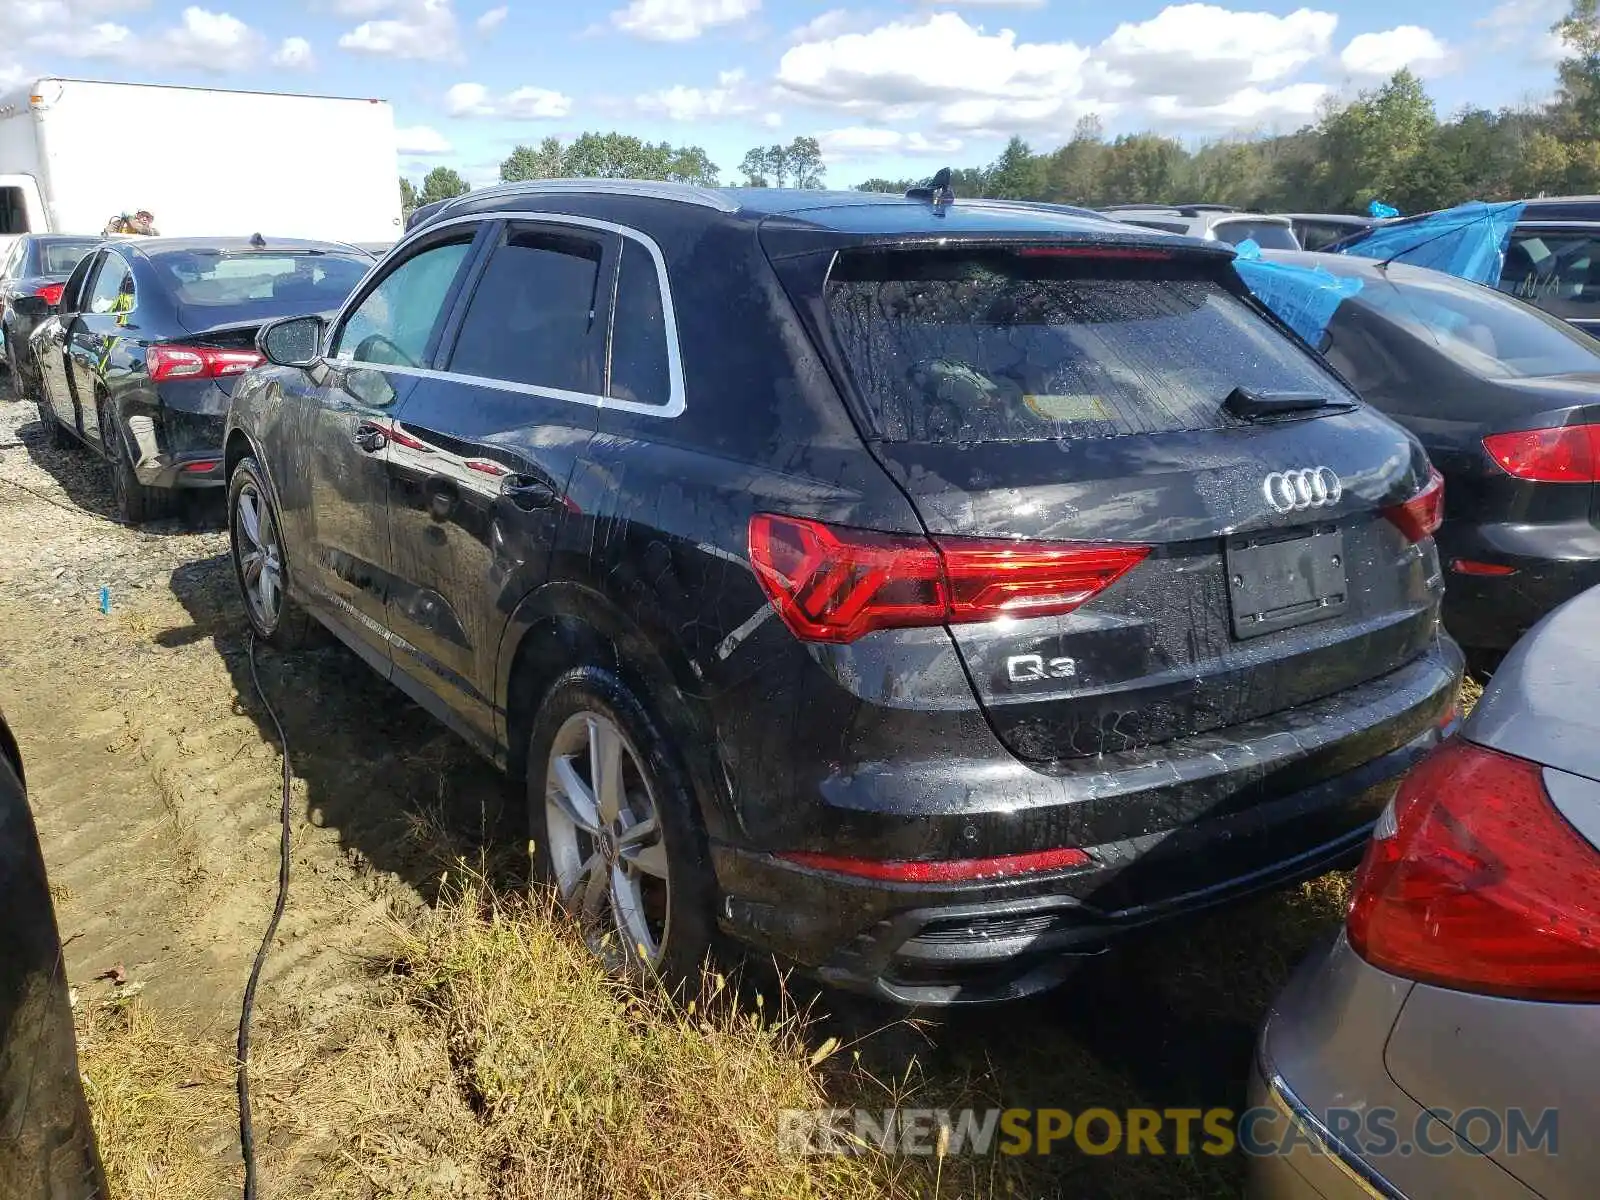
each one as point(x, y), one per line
point(1280, 580)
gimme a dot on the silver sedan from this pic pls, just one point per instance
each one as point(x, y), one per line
point(1448, 1042)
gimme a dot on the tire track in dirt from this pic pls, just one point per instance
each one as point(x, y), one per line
point(154, 773)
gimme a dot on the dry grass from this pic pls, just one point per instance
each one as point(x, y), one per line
point(491, 1057)
point(585, 1088)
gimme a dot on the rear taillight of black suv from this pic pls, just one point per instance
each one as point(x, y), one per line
point(1420, 516)
point(834, 584)
point(1473, 880)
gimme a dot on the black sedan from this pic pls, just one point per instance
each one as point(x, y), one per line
point(1506, 400)
point(33, 272)
point(152, 335)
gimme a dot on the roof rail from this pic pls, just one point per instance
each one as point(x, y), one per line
point(654, 189)
point(1139, 208)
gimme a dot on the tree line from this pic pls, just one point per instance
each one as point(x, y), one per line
point(1388, 143)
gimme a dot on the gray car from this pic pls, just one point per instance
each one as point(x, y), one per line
point(1448, 1044)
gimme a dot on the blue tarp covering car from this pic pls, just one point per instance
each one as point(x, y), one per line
point(1468, 241)
point(1304, 298)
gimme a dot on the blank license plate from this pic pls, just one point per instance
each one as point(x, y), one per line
point(1275, 582)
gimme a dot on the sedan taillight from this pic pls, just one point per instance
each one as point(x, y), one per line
point(50, 293)
point(1570, 454)
point(1473, 880)
point(197, 362)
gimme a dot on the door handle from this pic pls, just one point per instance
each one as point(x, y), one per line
point(371, 438)
point(527, 493)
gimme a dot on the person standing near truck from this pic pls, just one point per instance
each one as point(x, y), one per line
point(142, 223)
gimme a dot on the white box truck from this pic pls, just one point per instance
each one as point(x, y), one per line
point(206, 162)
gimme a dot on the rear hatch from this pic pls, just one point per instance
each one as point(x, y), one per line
point(1081, 394)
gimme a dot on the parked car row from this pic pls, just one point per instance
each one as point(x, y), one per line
point(146, 338)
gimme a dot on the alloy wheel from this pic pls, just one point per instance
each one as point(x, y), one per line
point(606, 848)
point(260, 559)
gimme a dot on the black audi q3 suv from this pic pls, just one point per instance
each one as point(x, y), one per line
point(921, 591)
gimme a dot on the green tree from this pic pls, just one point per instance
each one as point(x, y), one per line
point(1075, 173)
point(442, 183)
point(548, 161)
point(1370, 148)
point(895, 187)
point(408, 195)
point(1578, 99)
point(691, 164)
point(803, 157)
point(1143, 168)
point(1018, 174)
point(753, 166)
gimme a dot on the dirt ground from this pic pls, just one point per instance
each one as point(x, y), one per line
point(154, 773)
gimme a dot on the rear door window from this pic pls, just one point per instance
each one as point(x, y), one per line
point(113, 287)
point(1269, 235)
point(58, 258)
point(1559, 271)
point(1001, 346)
point(533, 317)
point(639, 371)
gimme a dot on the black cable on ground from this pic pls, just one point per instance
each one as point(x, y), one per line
point(247, 1136)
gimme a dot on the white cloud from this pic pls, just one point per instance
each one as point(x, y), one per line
point(213, 42)
point(522, 104)
point(360, 8)
point(422, 140)
point(1196, 63)
point(772, 120)
point(1382, 54)
point(104, 39)
point(730, 98)
point(493, 19)
point(909, 67)
point(419, 29)
point(988, 3)
point(830, 24)
point(1205, 52)
point(864, 141)
point(1294, 104)
point(208, 41)
point(1527, 24)
point(294, 54)
point(680, 20)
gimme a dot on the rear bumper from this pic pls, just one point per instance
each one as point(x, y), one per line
point(1551, 564)
point(187, 450)
point(1248, 809)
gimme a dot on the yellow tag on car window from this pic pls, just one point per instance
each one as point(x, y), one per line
point(1068, 408)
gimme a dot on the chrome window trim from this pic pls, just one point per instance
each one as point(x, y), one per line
point(676, 402)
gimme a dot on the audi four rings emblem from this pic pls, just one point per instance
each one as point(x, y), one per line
point(1296, 491)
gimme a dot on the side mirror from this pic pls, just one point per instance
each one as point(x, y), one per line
point(292, 342)
point(32, 306)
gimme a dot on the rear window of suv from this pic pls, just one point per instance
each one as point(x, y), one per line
point(1007, 346)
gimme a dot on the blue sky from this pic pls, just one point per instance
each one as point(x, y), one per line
point(890, 87)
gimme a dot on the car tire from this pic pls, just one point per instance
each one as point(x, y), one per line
point(137, 503)
point(259, 564)
point(646, 904)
